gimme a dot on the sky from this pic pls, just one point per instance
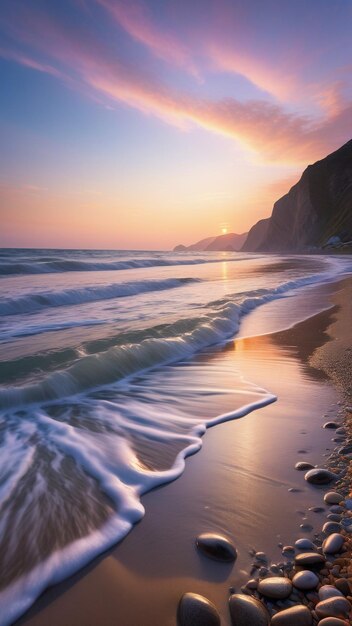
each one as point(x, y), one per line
point(142, 124)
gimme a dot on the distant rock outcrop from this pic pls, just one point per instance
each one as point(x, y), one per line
point(315, 213)
point(231, 242)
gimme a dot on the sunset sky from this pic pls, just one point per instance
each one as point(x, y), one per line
point(148, 123)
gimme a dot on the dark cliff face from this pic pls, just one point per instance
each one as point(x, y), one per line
point(317, 208)
point(256, 235)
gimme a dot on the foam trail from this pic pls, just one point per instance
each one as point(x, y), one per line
point(123, 483)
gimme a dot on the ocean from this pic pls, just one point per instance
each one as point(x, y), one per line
point(107, 384)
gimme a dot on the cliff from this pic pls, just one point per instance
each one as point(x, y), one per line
point(316, 212)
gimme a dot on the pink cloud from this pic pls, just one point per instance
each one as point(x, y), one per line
point(269, 129)
point(134, 18)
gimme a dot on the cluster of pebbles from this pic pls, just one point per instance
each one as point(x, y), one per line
point(312, 585)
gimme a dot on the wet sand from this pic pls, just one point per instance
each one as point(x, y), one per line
point(237, 485)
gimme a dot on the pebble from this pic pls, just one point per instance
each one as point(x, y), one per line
point(332, 425)
point(195, 610)
point(342, 585)
point(216, 547)
point(305, 580)
point(347, 449)
point(310, 559)
point(333, 607)
point(328, 591)
point(333, 543)
point(332, 621)
point(277, 588)
point(348, 504)
point(335, 508)
point(333, 497)
point(331, 527)
point(320, 476)
point(303, 465)
point(316, 509)
point(245, 610)
point(304, 544)
point(334, 517)
point(261, 556)
point(295, 616)
point(288, 550)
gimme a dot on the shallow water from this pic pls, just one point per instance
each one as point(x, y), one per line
point(104, 389)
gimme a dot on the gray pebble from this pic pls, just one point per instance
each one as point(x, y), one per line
point(296, 616)
point(333, 607)
point(333, 497)
point(277, 588)
point(333, 543)
point(195, 610)
point(245, 610)
point(320, 476)
point(331, 527)
point(305, 544)
point(305, 580)
point(328, 591)
point(216, 547)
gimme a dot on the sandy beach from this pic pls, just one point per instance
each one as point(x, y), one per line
point(242, 484)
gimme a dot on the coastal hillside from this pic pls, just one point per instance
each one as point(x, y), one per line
point(315, 213)
point(230, 241)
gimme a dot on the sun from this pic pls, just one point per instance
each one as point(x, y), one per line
point(224, 231)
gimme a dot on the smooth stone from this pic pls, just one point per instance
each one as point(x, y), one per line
point(288, 550)
point(341, 431)
point(334, 517)
point(303, 465)
point(342, 585)
point(305, 580)
point(310, 559)
point(295, 616)
point(319, 476)
point(277, 588)
point(216, 547)
point(195, 610)
point(261, 556)
point(348, 504)
point(333, 607)
point(304, 544)
point(331, 527)
point(332, 621)
point(332, 425)
point(346, 449)
point(335, 508)
point(333, 497)
point(333, 543)
point(328, 591)
point(245, 610)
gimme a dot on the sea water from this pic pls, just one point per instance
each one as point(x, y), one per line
point(103, 393)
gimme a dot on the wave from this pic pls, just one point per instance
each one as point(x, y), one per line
point(33, 302)
point(51, 267)
point(172, 344)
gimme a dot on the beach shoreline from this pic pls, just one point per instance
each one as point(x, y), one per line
point(105, 590)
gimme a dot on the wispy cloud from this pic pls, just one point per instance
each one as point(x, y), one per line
point(267, 128)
